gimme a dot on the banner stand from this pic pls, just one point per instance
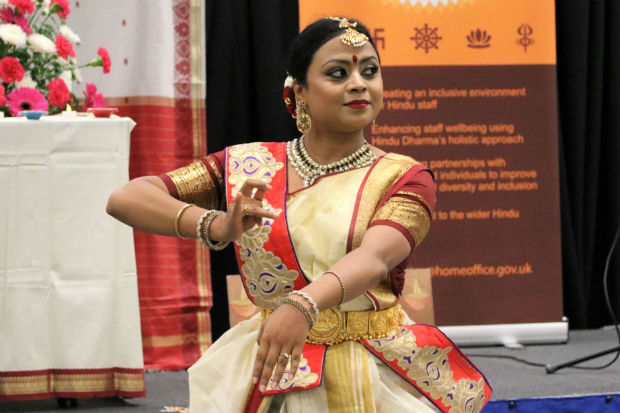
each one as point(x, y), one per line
point(509, 335)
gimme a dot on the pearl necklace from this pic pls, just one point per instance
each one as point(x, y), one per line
point(310, 170)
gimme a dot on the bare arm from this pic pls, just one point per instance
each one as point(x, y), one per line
point(145, 204)
point(285, 331)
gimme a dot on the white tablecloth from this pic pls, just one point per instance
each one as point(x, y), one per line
point(69, 313)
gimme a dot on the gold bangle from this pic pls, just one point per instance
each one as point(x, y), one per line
point(176, 221)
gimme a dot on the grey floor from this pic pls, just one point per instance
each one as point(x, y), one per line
point(509, 378)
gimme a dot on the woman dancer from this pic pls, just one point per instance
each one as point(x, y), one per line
point(323, 227)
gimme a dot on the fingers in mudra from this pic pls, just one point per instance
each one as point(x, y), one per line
point(254, 186)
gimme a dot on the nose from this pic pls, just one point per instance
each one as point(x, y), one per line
point(357, 83)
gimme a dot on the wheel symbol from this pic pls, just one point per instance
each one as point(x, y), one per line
point(426, 38)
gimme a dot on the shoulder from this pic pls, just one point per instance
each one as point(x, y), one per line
point(404, 160)
point(404, 163)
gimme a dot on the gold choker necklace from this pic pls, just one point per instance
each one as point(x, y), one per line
point(310, 170)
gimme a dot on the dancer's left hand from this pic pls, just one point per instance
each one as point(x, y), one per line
point(283, 333)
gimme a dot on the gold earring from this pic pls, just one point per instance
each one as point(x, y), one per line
point(304, 123)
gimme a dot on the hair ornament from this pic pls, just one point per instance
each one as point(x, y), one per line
point(350, 37)
point(289, 96)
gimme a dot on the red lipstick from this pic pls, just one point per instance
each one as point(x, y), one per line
point(357, 104)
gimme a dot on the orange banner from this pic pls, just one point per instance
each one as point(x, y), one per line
point(470, 91)
point(449, 32)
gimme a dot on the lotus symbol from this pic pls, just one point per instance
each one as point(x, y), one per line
point(478, 39)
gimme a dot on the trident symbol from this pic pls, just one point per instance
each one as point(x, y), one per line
point(525, 31)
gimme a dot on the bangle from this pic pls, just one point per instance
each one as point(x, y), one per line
point(315, 308)
point(176, 220)
point(342, 289)
point(300, 307)
point(202, 230)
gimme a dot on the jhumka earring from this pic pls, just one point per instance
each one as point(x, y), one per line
point(304, 123)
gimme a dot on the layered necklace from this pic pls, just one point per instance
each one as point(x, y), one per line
point(310, 170)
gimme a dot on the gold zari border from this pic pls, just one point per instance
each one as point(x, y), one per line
point(408, 213)
point(58, 382)
point(195, 186)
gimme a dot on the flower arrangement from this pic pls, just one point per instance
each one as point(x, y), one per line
point(37, 61)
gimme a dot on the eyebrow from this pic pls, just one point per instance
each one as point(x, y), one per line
point(343, 61)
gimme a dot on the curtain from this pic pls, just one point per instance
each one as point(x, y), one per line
point(588, 52)
point(158, 80)
point(247, 42)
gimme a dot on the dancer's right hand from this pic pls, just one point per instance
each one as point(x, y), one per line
point(244, 212)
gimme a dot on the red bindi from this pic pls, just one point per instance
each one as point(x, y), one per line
point(354, 58)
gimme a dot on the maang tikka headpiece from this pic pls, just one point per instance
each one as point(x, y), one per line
point(350, 37)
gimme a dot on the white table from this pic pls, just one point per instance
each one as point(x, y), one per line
point(69, 312)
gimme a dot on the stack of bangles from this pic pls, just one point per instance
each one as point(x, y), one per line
point(310, 318)
point(202, 227)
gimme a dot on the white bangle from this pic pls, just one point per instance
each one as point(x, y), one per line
point(315, 307)
point(202, 230)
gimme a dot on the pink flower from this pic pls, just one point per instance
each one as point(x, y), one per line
point(102, 60)
point(59, 94)
point(11, 70)
point(105, 59)
point(93, 99)
point(64, 47)
point(24, 6)
point(8, 16)
point(61, 7)
point(2, 97)
point(26, 98)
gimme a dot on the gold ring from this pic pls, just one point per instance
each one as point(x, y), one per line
point(245, 212)
point(284, 355)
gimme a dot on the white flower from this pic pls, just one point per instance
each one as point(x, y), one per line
point(78, 75)
point(67, 77)
point(69, 34)
point(4, 2)
point(41, 44)
point(13, 34)
point(26, 82)
point(288, 82)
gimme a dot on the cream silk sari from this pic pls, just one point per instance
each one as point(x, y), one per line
point(353, 379)
point(390, 367)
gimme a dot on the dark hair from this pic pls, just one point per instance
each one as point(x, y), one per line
point(306, 43)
